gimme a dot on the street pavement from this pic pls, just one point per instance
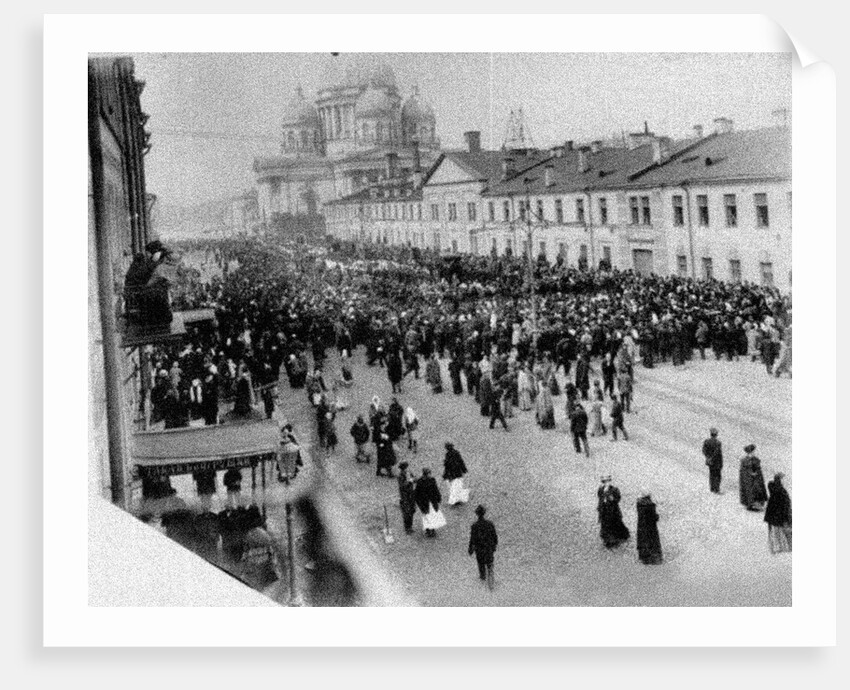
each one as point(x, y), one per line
point(542, 495)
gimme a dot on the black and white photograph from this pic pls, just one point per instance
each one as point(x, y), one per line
point(448, 329)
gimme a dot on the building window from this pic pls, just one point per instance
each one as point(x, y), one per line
point(603, 211)
point(419, 211)
point(509, 247)
point(525, 248)
point(678, 212)
point(582, 256)
point(735, 270)
point(404, 212)
point(707, 268)
point(579, 210)
point(702, 209)
point(452, 211)
point(682, 265)
point(395, 211)
point(731, 210)
point(542, 251)
point(646, 219)
point(454, 246)
point(521, 210)
point(766, 274)
point(562, 249)
point(435, 212)
point(506, 211)
point(494, 249)
point(491, 210)
point(633, 209)
point(762, 218)
point(559, 211)
point(470, 210)
point(437, 241)
point(540, 215)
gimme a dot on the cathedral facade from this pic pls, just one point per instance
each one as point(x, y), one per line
point(357, 132)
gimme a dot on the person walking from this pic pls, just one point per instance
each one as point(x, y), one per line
point(483, 541)
point(612, 529)
point(578, 428)
point(411, 425)
point(385, 452)
point(752, 491)
point(712, 449)
point(406, 497)
point(360, 434)
point(233, 484)
point(624, 386)
point(432, 374)
point(648, 539)
point(777, 515)
point(525, 387)
point(453, 472)
point(608, 373)
point(498, 396)
point(617, 420)
point(394, 373)
point(428, 498)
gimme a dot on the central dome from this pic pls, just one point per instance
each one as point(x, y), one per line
point(374, 102)
point(368, 70)
point(415, 111)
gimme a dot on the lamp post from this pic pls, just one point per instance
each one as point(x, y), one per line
point(531, 281)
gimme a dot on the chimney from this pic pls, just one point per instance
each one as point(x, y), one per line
point(780, 116)
point(508, 169)
point(549, 173)
point(595, 146)
point(569, 145)
point(417, 160)
point(722, 125)
point(583, 159)
point(558, 151)
point(698, 131)
point(392, 160)
point(660, 149)
point(473, 141)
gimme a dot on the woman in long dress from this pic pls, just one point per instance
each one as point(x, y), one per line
point(612, 529)
point(545, 407)
point(411, 425)
point(525, 388)
point(597, 427)
point(432, 374)
point(648, 539)
point(777, 515)
point(752, 491)
point(428, 498)
point(454, 470)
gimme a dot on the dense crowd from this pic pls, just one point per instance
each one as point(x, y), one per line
point(410, 309)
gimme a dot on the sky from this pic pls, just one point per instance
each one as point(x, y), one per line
point(212, 113)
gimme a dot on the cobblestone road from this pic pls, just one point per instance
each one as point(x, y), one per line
point(542, 495)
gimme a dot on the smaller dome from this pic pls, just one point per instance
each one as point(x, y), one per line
point(299, 111)
point(374, 102)
point(416, 111)
point(368, 69)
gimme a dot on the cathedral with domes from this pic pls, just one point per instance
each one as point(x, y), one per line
point(357, 131)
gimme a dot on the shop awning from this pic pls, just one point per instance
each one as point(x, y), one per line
point(187, 450)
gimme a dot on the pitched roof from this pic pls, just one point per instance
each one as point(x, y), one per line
point(486, 166)
point(745, 155)
point(606, 168)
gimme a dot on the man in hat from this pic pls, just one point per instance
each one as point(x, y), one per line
point(146, 288)
point(483, 541)
point(713, 452)
point(406, 497)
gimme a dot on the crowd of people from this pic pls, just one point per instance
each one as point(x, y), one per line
point(285, 306)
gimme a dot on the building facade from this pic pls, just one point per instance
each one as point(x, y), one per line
point(118, 229)
point(715, 206)
point(357, 132)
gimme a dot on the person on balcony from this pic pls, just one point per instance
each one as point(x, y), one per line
point(146, 287)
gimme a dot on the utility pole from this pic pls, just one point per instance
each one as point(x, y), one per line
point(531, 281)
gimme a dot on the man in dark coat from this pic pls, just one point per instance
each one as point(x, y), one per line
point(617, 420)
point(496, 412)
point(483, 541)
point(583, 376)
point(455, 367)
point(360, 434)
point(394, 373)
point(648, 539)
point(406, 497)
point(386, 452)
point(777, 515)
point(753, 493)
point(713, 452)
point(578, 428)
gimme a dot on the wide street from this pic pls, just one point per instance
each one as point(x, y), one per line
point(542, 495)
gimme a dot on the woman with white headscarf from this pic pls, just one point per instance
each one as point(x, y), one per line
point(411, 425)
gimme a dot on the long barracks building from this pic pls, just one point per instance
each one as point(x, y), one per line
point(715, 206)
